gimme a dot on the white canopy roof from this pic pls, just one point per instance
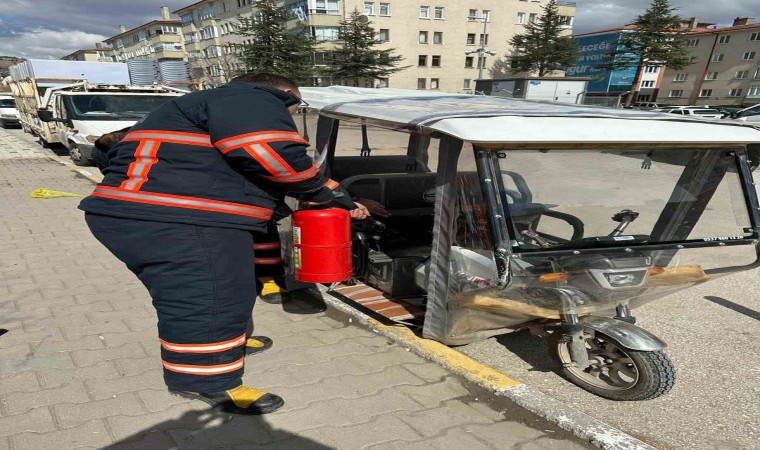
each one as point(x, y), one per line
point(483, 119)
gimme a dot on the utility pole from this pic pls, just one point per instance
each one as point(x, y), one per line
point(482, 51)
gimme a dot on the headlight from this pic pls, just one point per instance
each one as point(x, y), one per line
point(92, 139)
point(619, 279)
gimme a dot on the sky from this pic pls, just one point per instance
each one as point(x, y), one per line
point(54, 28)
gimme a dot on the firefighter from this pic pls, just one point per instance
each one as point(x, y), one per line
point(184, 192)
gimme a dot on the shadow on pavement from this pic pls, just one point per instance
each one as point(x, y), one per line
point(751, 313)
point(530, 348)
point(203, 429)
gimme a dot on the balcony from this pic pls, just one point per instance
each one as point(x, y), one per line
point(563, 3)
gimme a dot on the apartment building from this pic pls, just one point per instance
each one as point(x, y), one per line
point(159, 40)
point(97, 54)
point(726, 71)
point(208, 30)
point(442, 41)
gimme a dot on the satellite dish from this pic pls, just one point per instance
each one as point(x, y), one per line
point(362, 19)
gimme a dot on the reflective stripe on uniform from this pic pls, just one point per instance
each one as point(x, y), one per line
point(296, 177)
point(145, 158)
point(231, 143)
point(204, 348)
point(205, 370)
point(176, 137)
point(178, 201)
point(267, 261)
point(272, 162)
point(267, 246)
point(331, 184)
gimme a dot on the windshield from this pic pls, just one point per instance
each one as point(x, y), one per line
point(7, 103)
point(700, 112)
point(113, 107)
point(567, 199)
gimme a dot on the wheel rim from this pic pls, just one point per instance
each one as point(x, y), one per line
point(75, 153)
point(609, 366)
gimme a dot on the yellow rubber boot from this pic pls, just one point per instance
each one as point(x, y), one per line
point(271, 292)
point(239, 400)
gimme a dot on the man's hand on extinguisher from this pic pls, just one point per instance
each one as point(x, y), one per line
point(360, 213)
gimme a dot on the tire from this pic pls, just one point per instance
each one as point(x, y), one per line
point(640, 375)
point(3, 125)
point(77, 157)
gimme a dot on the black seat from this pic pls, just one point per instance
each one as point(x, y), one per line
point(347, 166)
point(400, 194)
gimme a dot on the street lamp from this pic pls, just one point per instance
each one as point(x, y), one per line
point(482, 51)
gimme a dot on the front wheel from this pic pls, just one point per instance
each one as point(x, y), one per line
point(77, 157)
point(614, 372)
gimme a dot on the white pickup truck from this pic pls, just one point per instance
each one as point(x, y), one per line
point(73, 103)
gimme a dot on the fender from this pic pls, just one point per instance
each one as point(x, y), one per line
point(625, 334)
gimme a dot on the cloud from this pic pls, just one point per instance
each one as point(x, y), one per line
point(45, 43)
point(594, 15)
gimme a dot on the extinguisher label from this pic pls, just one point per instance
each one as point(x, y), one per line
point(296, 235)
point(297, 258)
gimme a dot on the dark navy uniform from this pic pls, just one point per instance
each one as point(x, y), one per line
point(181, 198)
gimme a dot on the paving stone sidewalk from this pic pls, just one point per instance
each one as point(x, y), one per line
point(80, 366)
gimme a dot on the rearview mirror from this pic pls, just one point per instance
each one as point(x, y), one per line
point(45, 115)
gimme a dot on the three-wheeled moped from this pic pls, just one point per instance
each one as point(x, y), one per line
point(561, 219)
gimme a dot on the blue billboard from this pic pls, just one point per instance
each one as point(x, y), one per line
point(591, 51)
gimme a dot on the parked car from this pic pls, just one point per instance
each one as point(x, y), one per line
point(749, 115)
point(8, 112)
point(648, 105)
point(703, 113)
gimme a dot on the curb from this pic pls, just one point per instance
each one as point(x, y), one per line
point(570, 419)
point(74, 168)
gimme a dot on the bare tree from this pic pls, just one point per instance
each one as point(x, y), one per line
point(217, 65)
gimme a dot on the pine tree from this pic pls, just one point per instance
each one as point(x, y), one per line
point(657, 40)
point(356, 62)
point(542, 49)
point(274, 47)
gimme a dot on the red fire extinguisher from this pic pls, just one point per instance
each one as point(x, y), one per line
point(322, 245)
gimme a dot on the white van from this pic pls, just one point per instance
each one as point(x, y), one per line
point(8, 112)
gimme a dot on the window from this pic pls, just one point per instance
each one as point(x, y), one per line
point(225, 7)
point(718, 57)
point(652, 69)
point(424, 13)
point(711, 76)
point(385, 10)
point(369, 8)
point(675, 93)
point(472, 14)
point(532, 17)
point(481, 61)
point(167, 29)
point(434, 83)
point(384, 35)
point(735, 93)
point(326, 7)
point(741, 74)
point(471, 39)
point(692, 42)
point(242, 3)
point(724, 39)
point(647, 84)
point(486, 15)
point(469, 62)
point(438, 37)
point(681, 77)
point(119, 43)
point(186, 19)
point(382, 82)
point(754, 91)
point(423, 37)
point(422, 61)
point(438, 13)
point(326, 33)
point(483, 41)
point(643, 97)
point(566, 21)
point(757, 75)
point(435, 61)
point(208, 32)
point(205, 12)
point(755, 37)
point(136, 38)
point(421, 83)
point(466, 84)
point(705, 92)
point(748, 55)
point(520, 18)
